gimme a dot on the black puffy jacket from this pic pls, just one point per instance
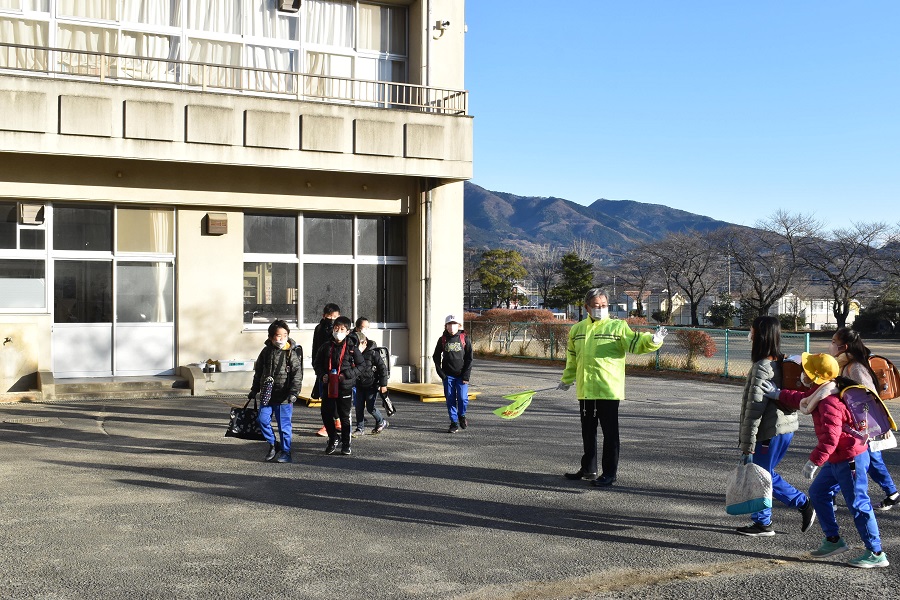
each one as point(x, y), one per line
point(283, 366)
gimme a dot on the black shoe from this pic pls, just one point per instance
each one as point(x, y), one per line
point(345, 450)
point(462, 422)
point(454, 427)
point(581, 474)
point(331, 448)
point(270, 455)
point(757, 530)
point(809, 515)
point(604, 481)
point(283, 457)
point(889, 502)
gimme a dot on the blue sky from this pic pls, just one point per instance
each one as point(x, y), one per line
point(722, 108)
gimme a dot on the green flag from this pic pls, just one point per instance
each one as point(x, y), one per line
point(520, 402)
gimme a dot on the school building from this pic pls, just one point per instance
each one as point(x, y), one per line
point(175, 174)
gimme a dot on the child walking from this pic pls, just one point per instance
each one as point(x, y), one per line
point(453, 363)
point(372, 380)
point(853, 357)
point(767, 430)
point(842, 458)
point(337, 366)
point(280, 362)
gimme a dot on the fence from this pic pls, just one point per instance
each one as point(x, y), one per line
point(722, 352)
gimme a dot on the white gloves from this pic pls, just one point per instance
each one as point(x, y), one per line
point(660, 334)
point(769, 390)
point(809, 470)
point(564, 386)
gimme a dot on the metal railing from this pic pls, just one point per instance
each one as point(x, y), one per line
point(720, 352)
point(182, 74)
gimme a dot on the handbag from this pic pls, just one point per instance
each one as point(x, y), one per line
point(883, 442)
point(748, 490)
point(244, 423)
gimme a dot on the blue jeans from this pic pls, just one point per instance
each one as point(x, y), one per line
point(364, 400)
point(767, 455)
point(879, 473)
point(283, 413)
point(457, 394)
point(854, 486)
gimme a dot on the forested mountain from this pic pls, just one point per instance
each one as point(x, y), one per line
point(499, 219)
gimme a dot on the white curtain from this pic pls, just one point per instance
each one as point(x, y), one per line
point(274, 59)
point(26, 33)
point(152, 12)
point(264, 21)
point(220, 16)
point(89, 9)
point(373, 28)
point(329, 23)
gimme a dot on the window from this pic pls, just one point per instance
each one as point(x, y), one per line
point(82, 291)
point(145, 230)
point(82, 228)
point(145, 292)
point(359, 263)
point(22, 283)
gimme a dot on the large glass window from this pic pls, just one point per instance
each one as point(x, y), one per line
point(270, 234)
point(8, 228)
point(324, 283)
point(270, 292)
point(382, 292)
point(22, 284)
point(145, 230)
point(145, 292)
point(82, 228)
point(381, 236)
point(82, 291)
point(328, 235)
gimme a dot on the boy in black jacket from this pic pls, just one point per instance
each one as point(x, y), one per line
point(453, 363)
point(322, 335)
point(337, 365)
point(371, 380)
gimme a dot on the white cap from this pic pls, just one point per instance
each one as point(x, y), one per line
point(452, 319)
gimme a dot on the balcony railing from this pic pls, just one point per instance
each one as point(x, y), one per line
point(182, 74)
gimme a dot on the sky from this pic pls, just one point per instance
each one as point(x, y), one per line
point(729, 109)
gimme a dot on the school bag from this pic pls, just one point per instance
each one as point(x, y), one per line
point(366, 377)
point(386, 359)
point(869, 417)
point(790, 374)
point(887, 378)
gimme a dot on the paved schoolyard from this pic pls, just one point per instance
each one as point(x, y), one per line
point(147, 499)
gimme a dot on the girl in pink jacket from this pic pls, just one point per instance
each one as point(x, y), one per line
point(841, 459)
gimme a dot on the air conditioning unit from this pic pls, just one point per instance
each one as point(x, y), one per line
point(290, 6)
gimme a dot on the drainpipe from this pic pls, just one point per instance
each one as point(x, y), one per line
point(428, 21)
point(426, 305)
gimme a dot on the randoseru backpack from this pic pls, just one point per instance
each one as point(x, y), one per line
point(887, 378)
point(790, 375)
point(869, 416)
point(386, 359)
point(366, 377)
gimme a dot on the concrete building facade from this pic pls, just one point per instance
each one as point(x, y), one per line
point(172, 179)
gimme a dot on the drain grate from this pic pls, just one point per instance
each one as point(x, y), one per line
point(26, 420)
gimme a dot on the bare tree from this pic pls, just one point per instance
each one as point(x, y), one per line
point(847, 260)
point(663, 264)
point(695, 268)
point(638, 272)
point(544, 267)
point(585, 249)
point(768, 257)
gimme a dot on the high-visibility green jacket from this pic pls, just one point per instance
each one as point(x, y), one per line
point(595, 360)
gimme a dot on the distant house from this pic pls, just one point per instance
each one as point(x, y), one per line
point(814, 309)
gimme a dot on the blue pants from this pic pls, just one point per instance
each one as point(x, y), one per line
point(767, 455)
point(879, 473)
point(854, 486)
point(457, 394)
point(364, 400)
point(283, 413)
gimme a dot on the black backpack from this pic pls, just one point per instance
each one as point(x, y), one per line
point(366, 377)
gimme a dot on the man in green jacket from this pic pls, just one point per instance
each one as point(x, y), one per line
point(595, 362)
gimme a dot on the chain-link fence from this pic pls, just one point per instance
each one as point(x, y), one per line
point(722, 352)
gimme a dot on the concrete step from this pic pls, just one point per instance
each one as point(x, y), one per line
point(121, 394)
point(118, 387)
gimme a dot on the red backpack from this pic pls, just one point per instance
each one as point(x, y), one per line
point(887, 378)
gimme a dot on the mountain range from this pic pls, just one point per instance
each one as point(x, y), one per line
point(499, 219)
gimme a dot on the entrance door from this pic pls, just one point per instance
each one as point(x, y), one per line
point(113, 302)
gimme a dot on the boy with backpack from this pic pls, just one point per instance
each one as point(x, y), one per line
point(453, 363)
point(337, 365)
point(371, 380)
point(842, 457)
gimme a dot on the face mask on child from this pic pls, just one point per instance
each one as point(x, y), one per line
point(340, 335)
point(750, 336)
point(600, 313)
point(452, 328)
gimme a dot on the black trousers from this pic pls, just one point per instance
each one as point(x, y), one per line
point(340, 407)
point(604, 413)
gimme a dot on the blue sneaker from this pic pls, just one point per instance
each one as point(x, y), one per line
point(830, 548)
point(283, 457)
point(870, 560)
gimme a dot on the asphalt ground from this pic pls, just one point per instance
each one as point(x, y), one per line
point(147, 499)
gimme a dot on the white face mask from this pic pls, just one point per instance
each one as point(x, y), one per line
point(452, 328)
point(750, 336)
point(600, 313)
point(340, 335)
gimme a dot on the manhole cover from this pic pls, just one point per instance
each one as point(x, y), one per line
point(26, 420)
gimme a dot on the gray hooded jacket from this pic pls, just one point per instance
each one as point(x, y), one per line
point(761, 418)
